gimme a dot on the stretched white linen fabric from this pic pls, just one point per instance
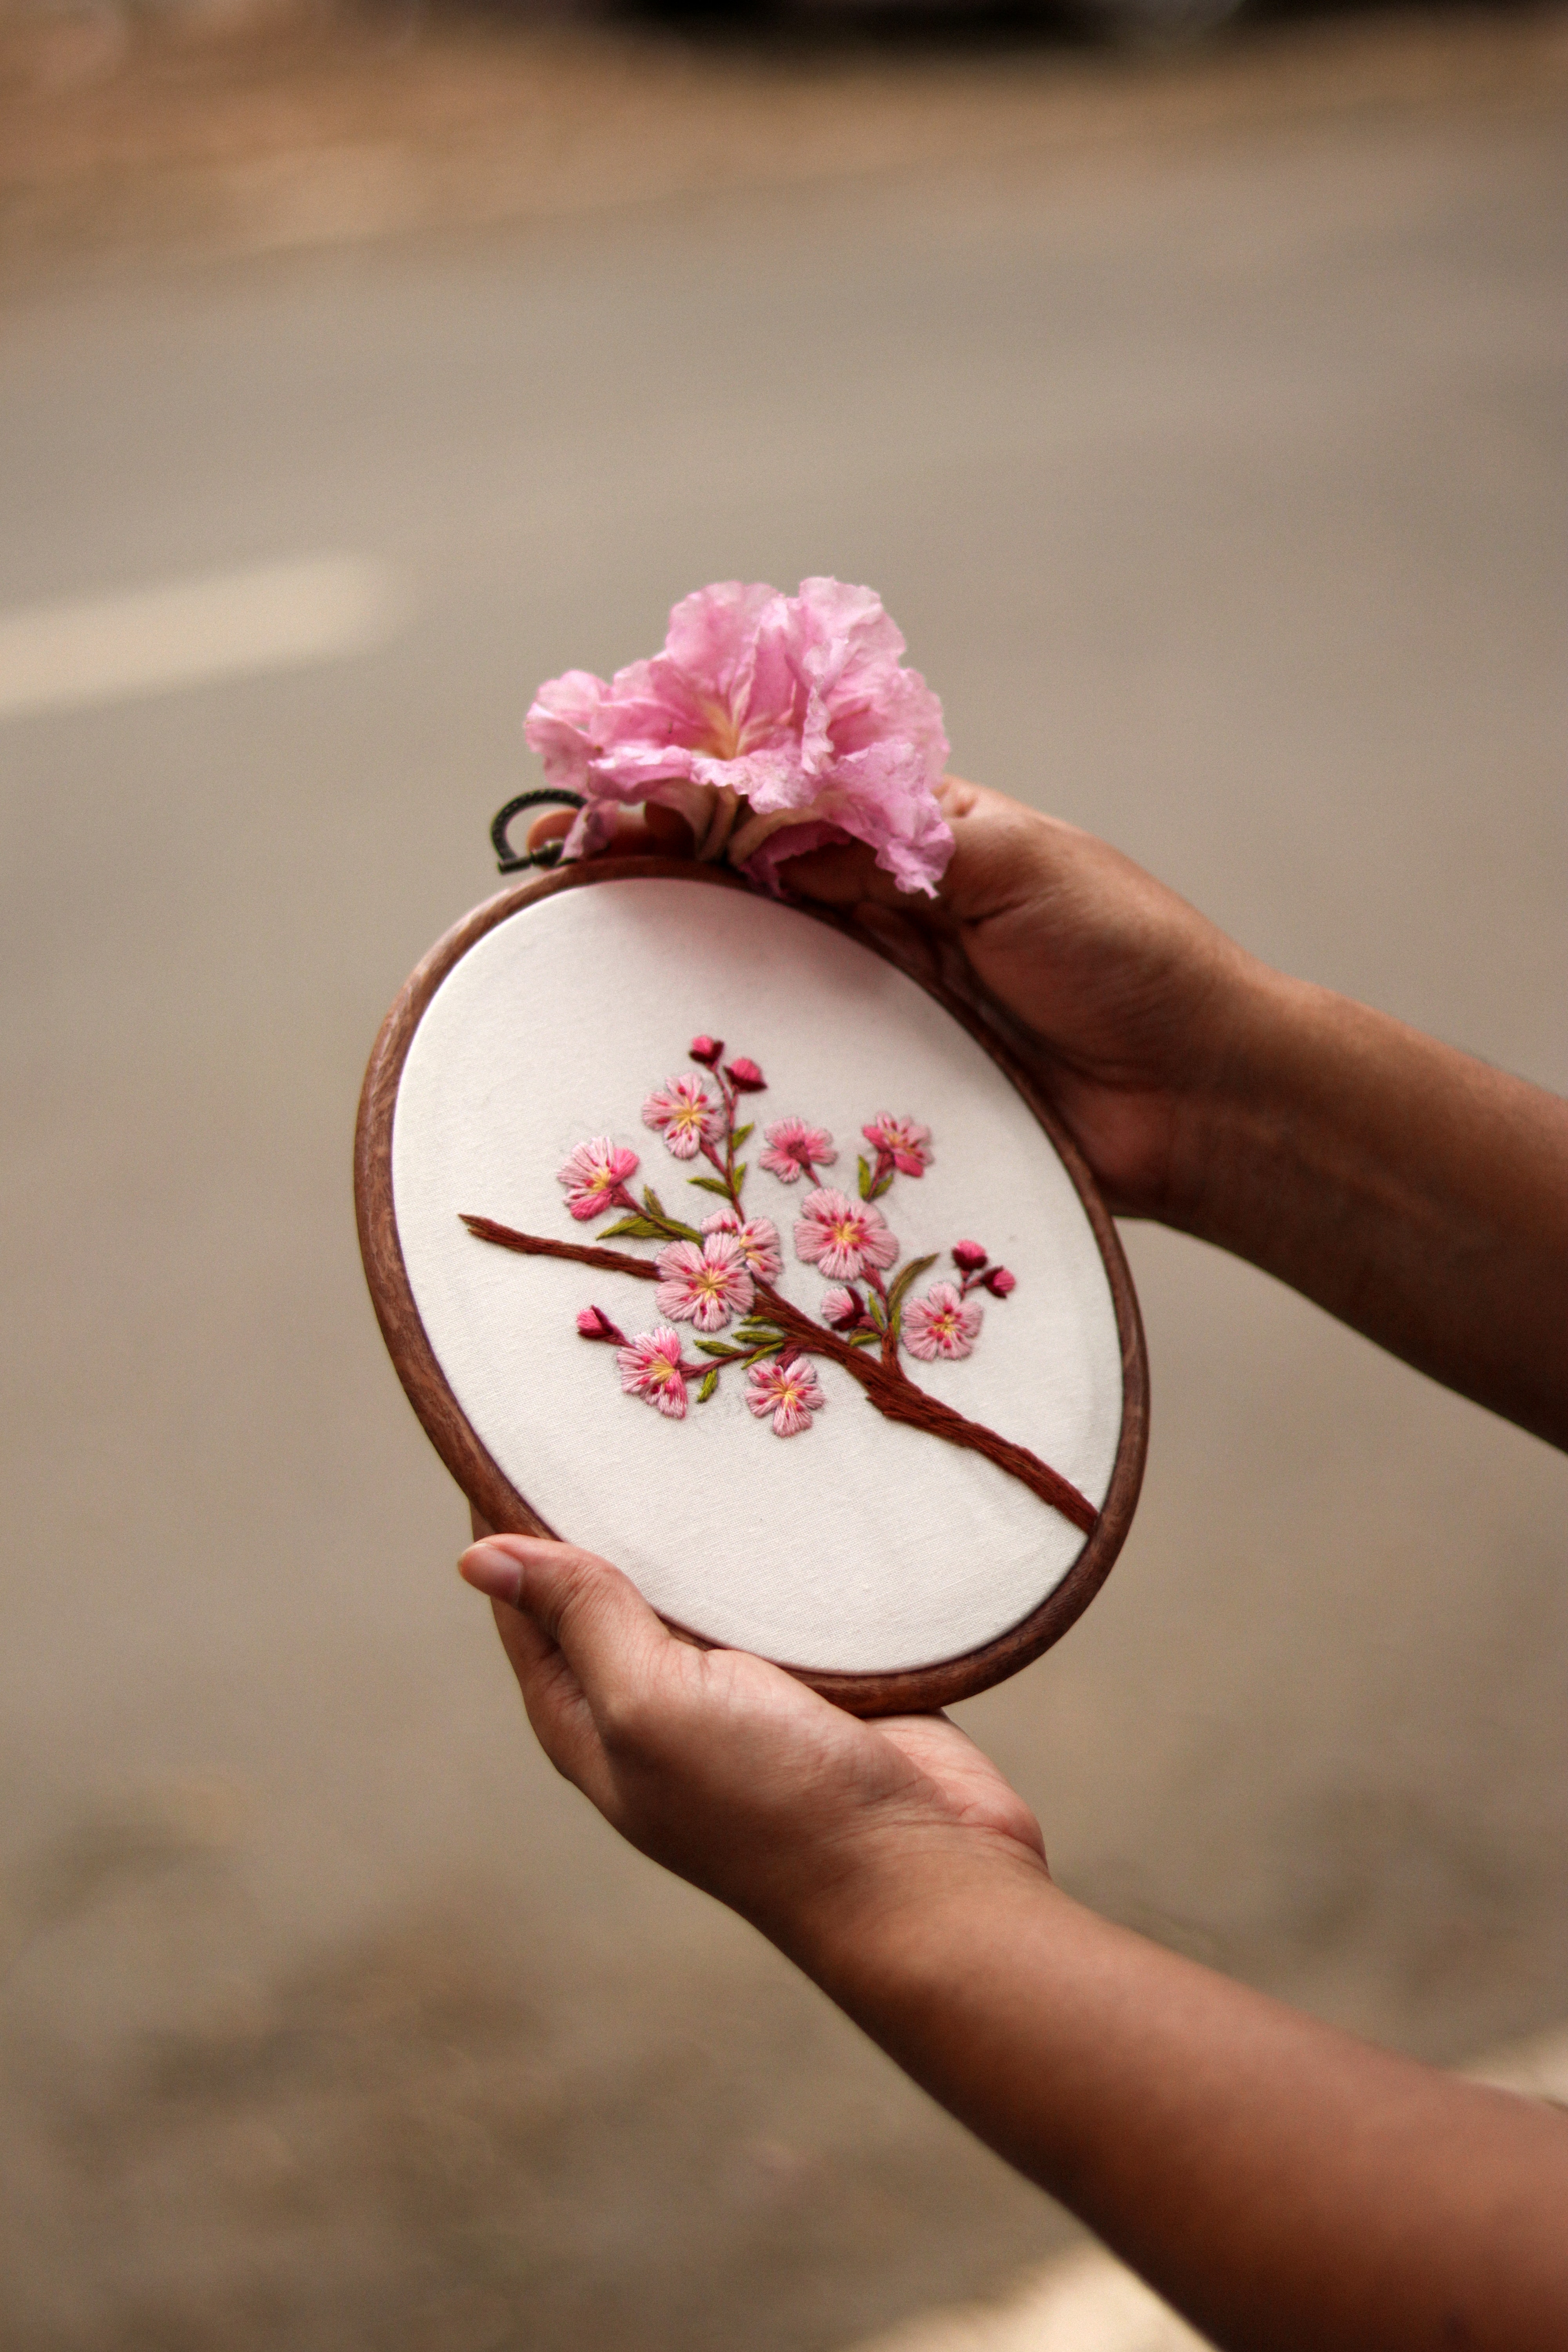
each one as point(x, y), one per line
point(859, 1545)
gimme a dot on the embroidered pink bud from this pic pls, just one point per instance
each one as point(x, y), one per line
point(999, 1282)
point(706, 1049)
point(841, 1308)
point(968, 1256)
point(744, 1076)
point(595, 1324)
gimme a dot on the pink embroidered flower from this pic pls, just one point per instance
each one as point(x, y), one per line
point(685, 1114)
point(706, 1049)
point(942, 1323)
point(595, 1324)
point(794, 1146)
point(595, 1176)
point(999, 1282)
point(772, 723)
point(744, 1076)
point(843, 1236)
point(758, 1237)
point(968, 1256)
point(651, 1368)
point(901, 1140)
point(703, 1287)
point(788, 1390)
point(841, 1308)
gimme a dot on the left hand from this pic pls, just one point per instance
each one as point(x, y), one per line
point(727, 1769)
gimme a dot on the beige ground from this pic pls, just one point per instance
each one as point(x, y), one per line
point(1214, 467)
point(232, 128)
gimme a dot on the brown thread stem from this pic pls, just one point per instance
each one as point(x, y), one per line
point(888, 1387)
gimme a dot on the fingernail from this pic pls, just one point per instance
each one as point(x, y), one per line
point(490, 1570)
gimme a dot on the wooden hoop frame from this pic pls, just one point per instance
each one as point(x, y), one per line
point(495, 1500)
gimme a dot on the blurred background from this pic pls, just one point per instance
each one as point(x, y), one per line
point(1193, 393)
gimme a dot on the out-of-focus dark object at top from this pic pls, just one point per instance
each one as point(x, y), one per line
point(1137, 24)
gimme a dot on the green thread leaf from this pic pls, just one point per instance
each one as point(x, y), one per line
point(630, 1228)
point(711, 1184)
point(719, 1348)
point(709, 1382)
point(742, 1133)
point(911, 1272)
point(865, 1167)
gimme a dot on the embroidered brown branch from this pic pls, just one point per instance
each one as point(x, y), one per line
point(884, 1382)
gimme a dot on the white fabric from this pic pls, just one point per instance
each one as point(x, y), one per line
point(859, 1545)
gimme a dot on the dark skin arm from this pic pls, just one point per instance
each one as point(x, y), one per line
point(1286, 2186)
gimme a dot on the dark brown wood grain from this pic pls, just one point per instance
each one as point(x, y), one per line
point(496, 1502)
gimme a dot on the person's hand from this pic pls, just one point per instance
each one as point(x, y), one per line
point(1128, 1005)
point(727, 1771)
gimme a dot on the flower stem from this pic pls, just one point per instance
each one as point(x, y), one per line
point(888, 1387)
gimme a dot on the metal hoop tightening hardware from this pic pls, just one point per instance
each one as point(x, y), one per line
point(508, 861)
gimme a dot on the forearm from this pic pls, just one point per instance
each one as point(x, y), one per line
point(1282, 2184)
point(1414, 1192)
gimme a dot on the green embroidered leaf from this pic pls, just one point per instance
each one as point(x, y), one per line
point(667, 1224)
point(862, 1339)
point(711, 1184)
point(874, 1307)
point(631, 1228)
point(911, 1272)
point(757, 1330)
point(865, 1167)
point(742, 1133)
point(709, 1382)
point(719, 1348)
point(739, 1178)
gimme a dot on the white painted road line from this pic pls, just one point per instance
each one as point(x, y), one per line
point(183, 633)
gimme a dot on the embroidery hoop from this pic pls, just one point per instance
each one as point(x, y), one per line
point(496, 1500)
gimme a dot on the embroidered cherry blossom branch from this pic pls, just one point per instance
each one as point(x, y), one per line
point(893, 1393)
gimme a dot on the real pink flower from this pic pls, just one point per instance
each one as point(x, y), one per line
point(789, 1391)
point(942, 1323)
point(706, 1049)
point(901, 1140)
point(999, 1282)
point(758, 1238)
point(842, 1237)
point(595, 1324)
point(651, 1368)
point(595, 1175)
point(772, 723)
point(793, 1147)
point(968, 1256)
point(703, 1287)
point(744, 1076)
point(686, 1115)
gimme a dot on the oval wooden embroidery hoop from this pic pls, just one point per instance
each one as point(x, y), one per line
point(496, 1500)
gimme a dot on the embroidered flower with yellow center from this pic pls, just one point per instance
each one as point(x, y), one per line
point(843, 1236)
point(704, 1287)
point(685, 1114)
